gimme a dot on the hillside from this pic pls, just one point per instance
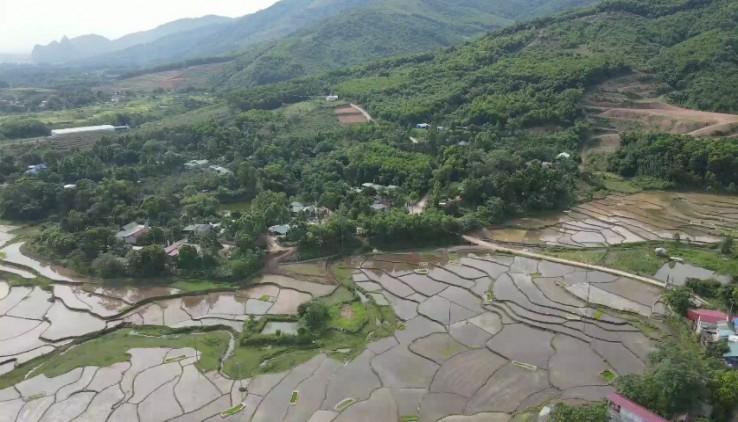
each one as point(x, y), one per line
point(535, 74)
point(384, 29)
point(293, 38)
point(72, 49)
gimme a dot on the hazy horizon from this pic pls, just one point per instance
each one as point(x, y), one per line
point(25, 23)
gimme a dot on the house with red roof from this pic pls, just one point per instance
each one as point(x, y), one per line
point(710, 316)
point(620, 409)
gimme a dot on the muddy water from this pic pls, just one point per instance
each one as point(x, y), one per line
point(133, 295)
point(13, 254)
point(678, 273)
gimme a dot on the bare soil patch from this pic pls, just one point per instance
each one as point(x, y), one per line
point(635, 102)
point(348, 115)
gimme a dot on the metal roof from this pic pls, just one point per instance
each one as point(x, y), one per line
point(72, 130)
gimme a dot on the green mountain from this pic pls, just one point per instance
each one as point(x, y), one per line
point(535, 73)
point(73, 49)
point(299, 37)
point(383, 29)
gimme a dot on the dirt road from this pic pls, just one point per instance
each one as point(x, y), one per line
point(497, 248)
point(364, 112)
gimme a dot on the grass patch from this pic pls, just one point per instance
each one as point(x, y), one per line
point(339, 296)
point(265, 298)
point(347, 317)
point(315, 269)
point(608, 375)
point(707, 258)
point(112, 348)
point(616, 183)
point(294, 397)
point(345, 404)
point(286, 361)
point(489, 296)
point(598, 315)
point(343, 274)
point(190, 286)
point(233, 410)
point(639, 260)
point(409, 418)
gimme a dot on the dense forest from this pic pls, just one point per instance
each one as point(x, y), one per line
point(535, 73)
point(686, 161)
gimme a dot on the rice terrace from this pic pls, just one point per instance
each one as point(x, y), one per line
point(369, 211)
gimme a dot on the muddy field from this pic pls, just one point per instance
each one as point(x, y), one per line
point(621, 219)
point(484, 335)
point(348, 115)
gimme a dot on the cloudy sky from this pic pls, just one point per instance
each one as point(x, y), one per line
point(24, 23)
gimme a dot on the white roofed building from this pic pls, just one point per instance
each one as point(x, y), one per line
point(87, 129)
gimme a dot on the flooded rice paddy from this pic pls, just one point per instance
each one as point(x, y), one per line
point(35, 322)
point(620, 219)
point(481, 335)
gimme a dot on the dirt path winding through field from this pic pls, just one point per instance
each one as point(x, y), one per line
point(497, 248)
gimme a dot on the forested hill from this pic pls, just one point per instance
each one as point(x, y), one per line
point(535, 73)
point(297, 37)
point(383, 29)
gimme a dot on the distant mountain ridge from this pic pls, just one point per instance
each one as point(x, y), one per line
point(317, 35)
point(73, 49)
point(382, 29)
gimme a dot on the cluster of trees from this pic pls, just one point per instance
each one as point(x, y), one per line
point(681, 377)
point(23, 128)
point(534, 74)
point(684, 160)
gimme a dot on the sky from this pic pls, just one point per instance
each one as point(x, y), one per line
point(25, 23)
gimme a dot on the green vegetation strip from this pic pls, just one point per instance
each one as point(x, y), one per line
point(524, 365)
point(294, 397)
point(642, 260)
point(345, 404)
point(112, 348)
point(409, 418)
point(233, 410)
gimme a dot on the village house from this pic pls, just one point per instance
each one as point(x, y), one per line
point(173, 249)
point(132, 232)
point(311, 210)
point(331, 98)
point(197, 229)
point(196, 164)
point(620, 409)
point(280, 230)
point(424, 126)
point(713, 326)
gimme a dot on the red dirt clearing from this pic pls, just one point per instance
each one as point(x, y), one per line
point(348, 115)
